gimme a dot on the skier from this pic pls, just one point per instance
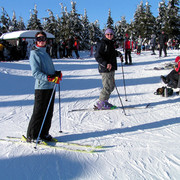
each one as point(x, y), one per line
point(163, 44)
point(76, 47)
point(128, 49)
point(139, 45)
point(173, 78)
point(153, 43)
point(107, 64)
point(45, 78)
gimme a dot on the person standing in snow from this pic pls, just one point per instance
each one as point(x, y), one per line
point(139, 45)
point(107, 64)
point(76, 47)
point(163, 39)
point(128, 49)
point(153, 43)
point(45, 78)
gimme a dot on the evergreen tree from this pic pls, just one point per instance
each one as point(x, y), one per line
point(20, 24)
point(51, 25)
point(34, 23)
point(14, 23)
point(172, 25)
point(85, 32)
point(95, 34)
point(139, 21)
point(63, 23)
point(121, 28)
point(162, 17)
point(75, 23)
point(110, 21)
point(149, 22)
point(5, 21)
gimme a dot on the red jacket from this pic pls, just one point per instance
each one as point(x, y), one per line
point(177, 60)
point(128, 44)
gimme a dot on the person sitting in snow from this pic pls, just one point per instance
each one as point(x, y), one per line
point(173, 78)
point(107, 64)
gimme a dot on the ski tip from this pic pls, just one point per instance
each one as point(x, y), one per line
point(23, 138)
point(54, 140)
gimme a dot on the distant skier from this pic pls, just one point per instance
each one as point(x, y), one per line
point(139, 45)
point(163, 39)
point(128, 49)
point(106, 57)
point(153, 43)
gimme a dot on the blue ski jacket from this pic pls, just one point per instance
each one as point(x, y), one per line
point(41, 66)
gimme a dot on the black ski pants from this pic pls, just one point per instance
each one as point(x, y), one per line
point(164, 48)
point(128, 56)
point(172, 79)
point(42, 98)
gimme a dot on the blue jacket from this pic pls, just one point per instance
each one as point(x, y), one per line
point(41, 66)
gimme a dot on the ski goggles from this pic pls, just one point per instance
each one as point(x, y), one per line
point(41, 38)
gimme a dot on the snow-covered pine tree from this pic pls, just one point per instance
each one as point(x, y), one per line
point(21, 25)
point(14, 24)
point(110, 21)
point(120, 29)
point(75, 23)
point(5, 21)
point(162, 16)
point(172, 25)
point(34, 23)
point(95, 33)
point(51, 25)
point(85, 44)
point(139, 26)
point(63, 23)
point(149, 20)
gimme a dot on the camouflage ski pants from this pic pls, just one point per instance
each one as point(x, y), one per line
point(108, 82)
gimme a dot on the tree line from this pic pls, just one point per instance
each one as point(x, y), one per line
point(71, 24)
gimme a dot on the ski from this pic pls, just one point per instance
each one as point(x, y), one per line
point(159, 68)
point(44, 144)
point(54, 140)
point(116, 108)
point(166, 66)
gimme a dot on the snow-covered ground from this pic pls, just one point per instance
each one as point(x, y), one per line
point(141, 145)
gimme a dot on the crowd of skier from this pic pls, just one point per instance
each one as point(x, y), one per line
point(65, 47)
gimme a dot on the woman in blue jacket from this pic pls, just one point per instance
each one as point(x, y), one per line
point(45, 78)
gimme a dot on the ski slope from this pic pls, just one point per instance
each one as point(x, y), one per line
point(141, 145)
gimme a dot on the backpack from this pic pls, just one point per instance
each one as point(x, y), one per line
point(164, 91)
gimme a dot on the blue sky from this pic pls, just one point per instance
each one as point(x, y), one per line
point(96, 9)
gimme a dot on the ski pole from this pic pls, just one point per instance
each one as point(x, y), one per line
point(45, 116)
point(120, 99)
point(124, 81)
point(59, 110)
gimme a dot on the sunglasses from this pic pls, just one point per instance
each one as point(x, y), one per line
point(41, 38)
point(109, 34)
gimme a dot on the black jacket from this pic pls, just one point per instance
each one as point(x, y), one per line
point(163, 39)
point(106, 54)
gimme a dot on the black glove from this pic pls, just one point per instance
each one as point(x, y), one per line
point(59, 74)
